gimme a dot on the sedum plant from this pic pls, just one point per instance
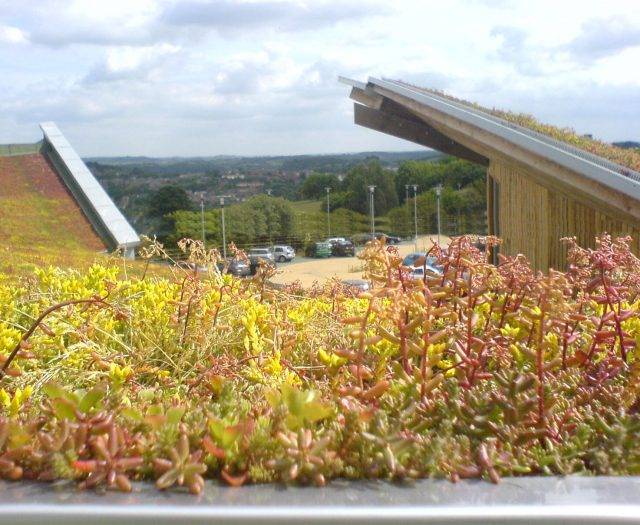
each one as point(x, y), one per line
point(483, 372)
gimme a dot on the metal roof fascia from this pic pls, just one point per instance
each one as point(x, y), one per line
point(564, 158)
point(353, 83)
point(106, 211)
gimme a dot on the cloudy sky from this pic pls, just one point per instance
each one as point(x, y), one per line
point(164, 77)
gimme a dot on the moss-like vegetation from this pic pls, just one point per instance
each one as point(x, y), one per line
point(485, 371)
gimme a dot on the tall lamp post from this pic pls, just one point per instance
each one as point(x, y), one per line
point(415, 212)
point(438, 193)
point(372, 189)
point(204, 242)
point(328, 190)
point(406, 202)
point(224, 230)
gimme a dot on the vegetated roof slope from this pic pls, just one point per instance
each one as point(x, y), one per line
point(38, 215)
point(629, 158)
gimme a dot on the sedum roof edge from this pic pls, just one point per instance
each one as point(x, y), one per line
point(101, 211)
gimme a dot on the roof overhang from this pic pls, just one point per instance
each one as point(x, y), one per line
point(104, 215)
point(418, 115)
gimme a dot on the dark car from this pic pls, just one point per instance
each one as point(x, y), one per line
point(391, 239)
point(343, 249)
point(238, 267)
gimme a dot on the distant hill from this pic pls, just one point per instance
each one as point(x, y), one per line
point(627, 144)
point(332, 163)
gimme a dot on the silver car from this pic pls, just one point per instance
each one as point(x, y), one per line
point(283, 253)
point(261, 254)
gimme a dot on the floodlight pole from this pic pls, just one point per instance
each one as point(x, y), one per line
point(438, 193)
point(372, 189)
point(328, 190)
point(415, 212)
point(224, 231)
point(204, 242)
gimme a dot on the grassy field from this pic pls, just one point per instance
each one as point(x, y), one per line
point(308, 206)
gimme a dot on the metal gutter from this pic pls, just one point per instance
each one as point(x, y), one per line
point(590, 166)
point(101, 211)
point(530, 500)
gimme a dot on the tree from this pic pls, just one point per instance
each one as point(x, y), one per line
point(357, 181)
point(168, 199)
point(314, 185)
point(450, 172)
point(161, 206)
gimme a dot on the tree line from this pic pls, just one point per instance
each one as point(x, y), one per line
point(266, 220)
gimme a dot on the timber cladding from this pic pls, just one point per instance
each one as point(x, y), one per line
point(531, 218)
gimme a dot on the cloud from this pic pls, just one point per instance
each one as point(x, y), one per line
point(59, 23)
point(56, 23)
point(12, 35)
point(600, 38)
point(514, 49)
point(130, 63)
point(229, 17)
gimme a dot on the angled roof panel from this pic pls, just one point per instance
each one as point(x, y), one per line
point(619, 178)
point(590, 166)
point(100, 209)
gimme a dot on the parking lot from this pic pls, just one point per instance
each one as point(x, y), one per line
point(308, 270)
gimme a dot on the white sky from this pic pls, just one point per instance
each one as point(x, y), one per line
point(163, 77)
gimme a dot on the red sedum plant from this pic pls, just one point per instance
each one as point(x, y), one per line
point(483, 372)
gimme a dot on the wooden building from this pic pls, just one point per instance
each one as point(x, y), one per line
point(538, 189)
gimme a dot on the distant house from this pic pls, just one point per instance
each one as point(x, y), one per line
point(49, 175)
point(539, 188)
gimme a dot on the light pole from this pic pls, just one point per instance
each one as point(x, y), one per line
point(202, 219)
point(372, 189)
point(438, 193)
point(415, 212)
point(224, 231)
point(406, 202)
point(269, 192)
point(328, 189)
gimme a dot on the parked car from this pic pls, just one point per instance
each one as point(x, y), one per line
point(417, 270)
point(238, 267)
point(343, 248)
point(283, 253)
point(318, 249)
point(411, 258)
point(364, 238)
point(261, 254)
point(391, 239)
point(258, 255)
point(358, 285)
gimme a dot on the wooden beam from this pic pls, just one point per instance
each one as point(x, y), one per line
point(368, 97)
point(414, 131)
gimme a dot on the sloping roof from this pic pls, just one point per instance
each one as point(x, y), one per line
point(101, 211)
point(441, 111)
point(37, 212)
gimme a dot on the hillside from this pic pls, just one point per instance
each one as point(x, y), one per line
point(40, 222)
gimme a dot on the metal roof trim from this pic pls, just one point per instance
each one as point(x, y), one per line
point(112, 219)
point(541, 145)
